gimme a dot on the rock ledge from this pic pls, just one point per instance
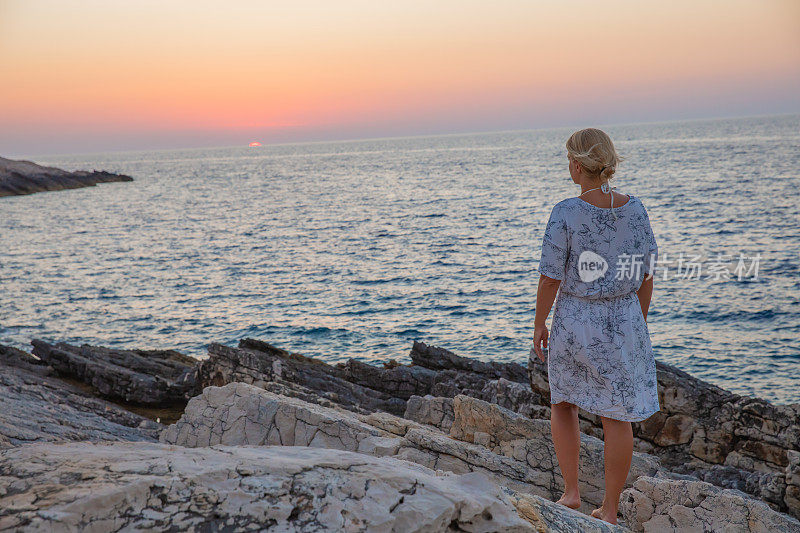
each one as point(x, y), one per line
point(26, 177)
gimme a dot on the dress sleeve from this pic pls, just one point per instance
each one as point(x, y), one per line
point(651, 256)
point(555, 246)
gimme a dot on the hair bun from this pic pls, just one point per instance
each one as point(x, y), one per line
point(607, 170)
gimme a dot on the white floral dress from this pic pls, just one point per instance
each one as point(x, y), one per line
point(599, 354)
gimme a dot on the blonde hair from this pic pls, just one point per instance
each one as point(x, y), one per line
point(593, 149)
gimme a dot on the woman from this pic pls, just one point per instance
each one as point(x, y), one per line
point(599, 250)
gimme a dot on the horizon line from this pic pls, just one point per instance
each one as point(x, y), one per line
point(417, 136)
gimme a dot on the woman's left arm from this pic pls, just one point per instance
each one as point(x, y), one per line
point(545, 296)
point(645, 293)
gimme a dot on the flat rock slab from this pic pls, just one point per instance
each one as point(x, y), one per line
point(144, 377)
point(548, 517)
point(239, 413)
point(514, 450)
point(654, 504)
point(134, 486)
point(263, 365)
point(36, 406)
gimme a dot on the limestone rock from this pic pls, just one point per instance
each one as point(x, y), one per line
point(461, 416)
point(137, 486)
point(239, 413)
point(440, 359)
point(792, 478)
point(16, 358)
point(654, 504)
point(259, 363)
point(515, 396)
point(365, 388)
point(144, 377)
point(431, 410)
point(548, 518)
point(512, 450)
point(36, 406)
point(677, 429)
point(399, 381)
point(391, 423)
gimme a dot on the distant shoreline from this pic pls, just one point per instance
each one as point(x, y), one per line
point(25, 177)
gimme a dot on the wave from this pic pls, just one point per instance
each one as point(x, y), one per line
point(735, 316)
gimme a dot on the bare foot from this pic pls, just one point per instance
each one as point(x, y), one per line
point(601, 514)
point(573, 502)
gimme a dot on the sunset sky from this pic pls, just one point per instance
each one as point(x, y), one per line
point(96, 75)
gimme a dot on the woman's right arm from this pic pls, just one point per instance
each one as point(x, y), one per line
point(552, 265)
point(545, 296)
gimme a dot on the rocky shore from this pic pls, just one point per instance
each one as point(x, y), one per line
point(256, 437)
point(25, 177)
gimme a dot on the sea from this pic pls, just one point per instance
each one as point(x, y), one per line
point(355, 249)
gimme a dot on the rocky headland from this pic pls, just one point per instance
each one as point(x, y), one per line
point(255, 437)
point(25, 177)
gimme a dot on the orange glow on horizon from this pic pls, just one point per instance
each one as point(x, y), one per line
point(253, 67)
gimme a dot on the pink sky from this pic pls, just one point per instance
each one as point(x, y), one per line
point(95, 75)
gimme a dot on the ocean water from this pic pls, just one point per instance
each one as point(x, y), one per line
point(357, 248)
